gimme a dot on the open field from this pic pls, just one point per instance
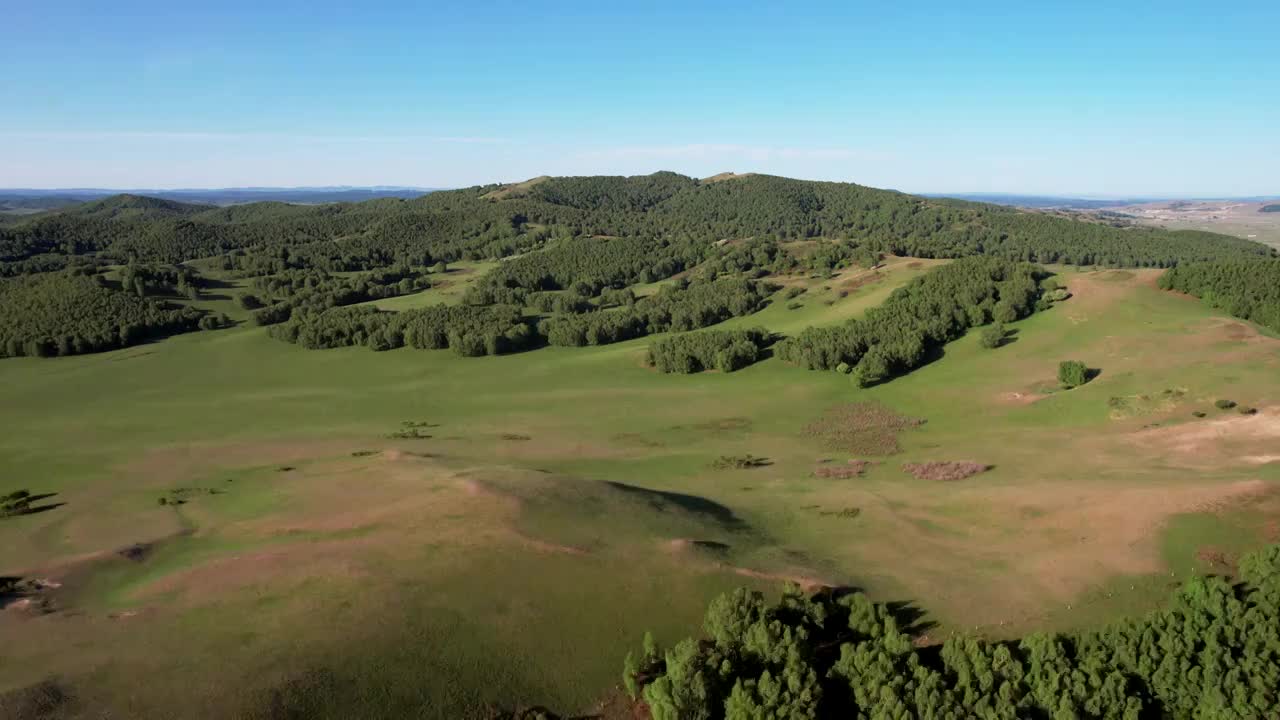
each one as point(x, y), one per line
point(1229, 217)
point(539, 511)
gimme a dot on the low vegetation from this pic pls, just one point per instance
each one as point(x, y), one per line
point(862, 428)
point(944, 470)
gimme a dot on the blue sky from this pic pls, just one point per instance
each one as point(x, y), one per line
point(1106, 98)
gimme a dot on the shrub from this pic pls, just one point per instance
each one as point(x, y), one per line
point(1224, 404)
point(1248, 411)
point(1072, 373)
point(992, 336)
point(739, 462)
point(15, 503)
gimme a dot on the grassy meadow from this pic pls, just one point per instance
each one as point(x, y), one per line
point(350, 534)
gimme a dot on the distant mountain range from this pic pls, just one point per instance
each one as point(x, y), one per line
point(34, 200)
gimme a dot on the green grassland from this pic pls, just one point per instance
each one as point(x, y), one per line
point(562, 501)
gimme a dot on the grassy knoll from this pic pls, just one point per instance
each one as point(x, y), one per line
point(566, 499)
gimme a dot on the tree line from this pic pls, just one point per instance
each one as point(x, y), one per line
point(1248, 290)
point(1213, 652)
point(467, 330)
point(918, 318)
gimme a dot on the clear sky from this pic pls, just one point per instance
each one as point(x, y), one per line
point(1031, 97)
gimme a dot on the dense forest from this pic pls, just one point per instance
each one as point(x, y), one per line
point(1213, 652)
point(920, 317)
point(490, 222)
point(1249, 290)
point(571, 250)
point(71, 313)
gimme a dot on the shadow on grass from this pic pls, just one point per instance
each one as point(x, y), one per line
point(660, 500)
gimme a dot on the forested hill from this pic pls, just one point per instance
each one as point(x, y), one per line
point(494, 220)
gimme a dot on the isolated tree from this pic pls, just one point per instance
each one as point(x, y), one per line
point(1072, 373)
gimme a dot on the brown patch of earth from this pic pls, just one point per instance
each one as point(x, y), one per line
point(1049, 541)
point(550, 547)
point(283, 566)
point(1020, 398)
point(1209, 441)
point(809, 584)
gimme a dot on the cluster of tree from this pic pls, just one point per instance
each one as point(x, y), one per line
point(918, 318)
point(468, 330)
point(676, 308)
point(1249, 290)
point(1275, 207)
point(723, 350)
point(69, 313)
point(279, 297)
point(759, 257)
point(1214, 651)
point(145, 279)
point(639, 193)
point(586, 265)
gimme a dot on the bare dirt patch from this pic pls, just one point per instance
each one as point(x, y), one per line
point(862, 428)
point(951, 470)
point(550, 547)
point(858, 282)
point(809, 584)
point(1241, 437)
point(1033, 546)
point(850, 469)
point(1020, 398)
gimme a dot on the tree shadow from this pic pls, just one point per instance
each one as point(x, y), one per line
point(661, 499)
point(11, 590)
point(910, 618)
